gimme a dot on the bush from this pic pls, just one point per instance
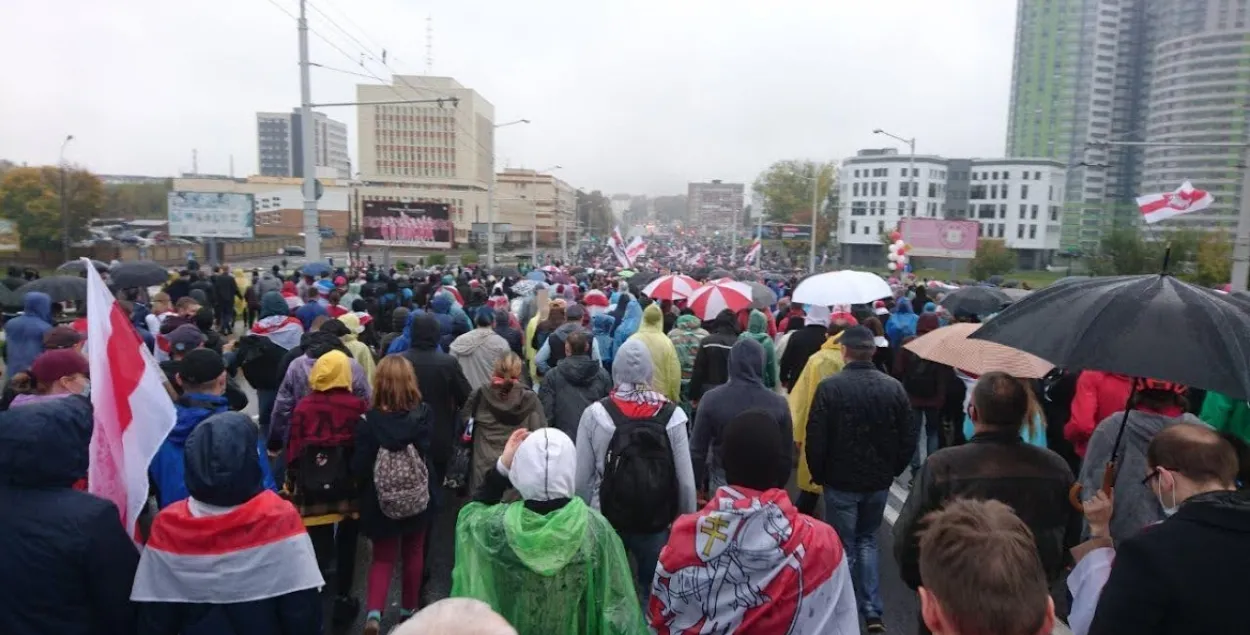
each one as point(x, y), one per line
point(993, 259)
point(470, 258)
point(402, 265)
point(436, 260)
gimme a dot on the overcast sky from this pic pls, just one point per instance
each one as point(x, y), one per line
point(636, 96)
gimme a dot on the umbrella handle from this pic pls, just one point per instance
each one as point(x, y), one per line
point(1108, 481)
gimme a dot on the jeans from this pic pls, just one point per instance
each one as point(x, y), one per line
point(646, 551)
point(856, 516)
point(385, 552)
point(337, 543)
point(225, 317)
point(928, 422)
point(264, 408)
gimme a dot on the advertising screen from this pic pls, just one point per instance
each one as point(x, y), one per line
point(212, 215)
point(407, 224)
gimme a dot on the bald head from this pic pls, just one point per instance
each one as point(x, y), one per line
point(456, 616)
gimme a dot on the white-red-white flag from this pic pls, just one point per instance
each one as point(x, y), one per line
point(637, 247)
point(1186, 199)
point(617, 243)
point(752, 253)
point(133, 413)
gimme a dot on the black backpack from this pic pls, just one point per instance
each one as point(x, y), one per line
point(324, 474)
point(921, 379)
point(638, 493)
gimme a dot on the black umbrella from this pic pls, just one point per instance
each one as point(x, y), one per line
point(638, 281)
point(718, 273)
point(10, 299)
point(142, 273)
point(59, 288)
point(975, 300)
point(76, 265)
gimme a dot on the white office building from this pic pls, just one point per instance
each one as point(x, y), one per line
point(1018, 200)
point(280, 145)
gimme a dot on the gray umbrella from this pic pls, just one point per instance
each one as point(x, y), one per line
point(142, 273)
point(761, 296)
point(59, 288)
point(76, 266)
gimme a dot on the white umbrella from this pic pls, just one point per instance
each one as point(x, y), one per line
point(710, 299)
point(671, 287)
point(842, 287)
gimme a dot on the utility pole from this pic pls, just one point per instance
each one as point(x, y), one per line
point(911, 169)
point(65, 242)
point(811, 257)
point(312, 237)
point(733, 238)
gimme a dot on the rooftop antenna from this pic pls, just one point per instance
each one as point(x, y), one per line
point(429, 44)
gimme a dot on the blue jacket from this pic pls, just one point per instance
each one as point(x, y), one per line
point(449, 327)
point(628, 326)
point(168, 469)
point(309, 312)
point(24, 334)
point(66, 564)
point(902, 324)
point(601, 327)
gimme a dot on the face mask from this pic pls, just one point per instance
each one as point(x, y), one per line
point(1168, 511)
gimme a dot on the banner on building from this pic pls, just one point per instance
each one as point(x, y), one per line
point(407, 224)
point(785, 231)
point(939, 238)
point(212, 214)
point(9, 239)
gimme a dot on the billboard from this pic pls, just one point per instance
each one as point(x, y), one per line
point(411, 224)
point(9, 240)
point(785, 231)
point(940, 238)
point(212, 214)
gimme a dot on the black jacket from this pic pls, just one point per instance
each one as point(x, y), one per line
point(442, 383)
point(225, 289)
point(802, 345)
point(711, 362)
point(744, 391)
point(66, 564)
point(569, 388)
point(859, 431)
point(393, 431)
point(206, 286)
point(260, 360)
point(994, 466)
point(1188, 574)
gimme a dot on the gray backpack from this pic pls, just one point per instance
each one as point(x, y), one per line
point(402, 482)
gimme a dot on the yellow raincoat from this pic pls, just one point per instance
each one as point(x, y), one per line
point(244, 280)
point(826, 362)
point(667, 380)
point(360, 352)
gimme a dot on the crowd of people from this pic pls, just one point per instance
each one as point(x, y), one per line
point(613, 463)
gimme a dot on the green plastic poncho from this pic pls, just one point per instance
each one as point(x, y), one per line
point(757, 329)
point(563, 573)
point(686, 335)
point(663, 354)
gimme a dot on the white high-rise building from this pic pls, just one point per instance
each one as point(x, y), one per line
point(280, 144)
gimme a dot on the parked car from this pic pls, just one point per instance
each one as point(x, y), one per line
point(294, 250)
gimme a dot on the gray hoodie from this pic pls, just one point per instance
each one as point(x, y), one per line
point(477, 351)
point(1136, 506)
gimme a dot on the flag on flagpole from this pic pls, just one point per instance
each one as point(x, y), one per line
point(133, 413)
point(618, 248)
point(1186, 199)
point(753, 253)
point(637, 247)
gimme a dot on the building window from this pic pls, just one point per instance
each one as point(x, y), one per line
point(1026, 176)
point(994, 191)
point(1054, 213)
point(1024, 191)
point(880, 227)
point(995, 176)
point(1033, 213)
point(1023, 211)
point(1019, 231)
point(902, 208)
point(933, 190)
point(854, 226)
point(985, 211)
point(977, 193)
point(1002, 213)
point(1032, 232)
point(855, 189)
point(865, 230)
point(1002, 230)
point(1037, 176)
point(873, 187)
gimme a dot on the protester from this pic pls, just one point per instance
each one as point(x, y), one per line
point(296, 385)
point(479, 350)
point(548, 563)
point(925, 383)
point(711, 363)
point(54, 375)
point(573, 385)
point(686, 336)
point(497, 408)
point(628, 324)
point(201, 378)
point(225, 292)
point(358, 350)
point(390, 462)
point(23, 335)
point(66, 563)
point(511, 335)
point(1188, 573)
point(995, 464)
point(790, 574)
point(902, 323)
point(756, 330)
point(1135, 504)
point(311, 308)
point(859, 437)
point(443, 386)
point(1098, 396)
point(456, 616)
point(667, 373)
point(259, 353)
point(399, 320)
point(804, 343)
point(1226, 414)
point(982, 573)
point(233, 558)
point(825, 363)
point(641, 491)
point(744, 391)
point(63, 337)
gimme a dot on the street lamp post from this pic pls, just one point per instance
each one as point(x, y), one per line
point(811, 258)
point(65, 242)
point(490, 197)
point(911, 168)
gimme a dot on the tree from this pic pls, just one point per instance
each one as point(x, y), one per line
point(137, 200)
point(1123, 251)
point(992, 259)
point(785, 189)
point(594, 210)
point(1213, 264)
point(31, 198)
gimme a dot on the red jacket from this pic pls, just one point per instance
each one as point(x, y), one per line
point(325, 418)
point(1098, 396)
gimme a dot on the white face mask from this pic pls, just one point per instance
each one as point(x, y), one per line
point(1167, 510)
point(86, 388)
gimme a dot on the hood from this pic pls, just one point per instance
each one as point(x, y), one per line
point(746, 361)
point(395, 430)
point(817, 316)
point(579, 370)
point(319, 343)
point(399, 318)
point(544, 466)
point(930, 307)
point(1143, 425)
point(501, 318)
point(271, 304)
point(652, 320)
point(332, 370)
point(1226, 510)
point(139, 315)
point(470, 342)
point(602, 324)
point(288, 288)
point(757, 323)
point(38, 304)
point(926, 323)
point(632, 364)
point(352, 322)
point(568, 327)
point(220, 460)
point(423, 331)
point(687, 323)
point(633, 314)
point(903, 306)
point(190, 410)
point(45, 444)
point(725, 323)
point(441, 303)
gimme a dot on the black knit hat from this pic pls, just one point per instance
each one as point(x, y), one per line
point(752, 452)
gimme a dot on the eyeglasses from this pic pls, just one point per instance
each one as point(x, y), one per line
point(1154, 472)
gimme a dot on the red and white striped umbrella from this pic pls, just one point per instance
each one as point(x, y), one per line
point(671, 287)
point(709, 300)
point(550, 269)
